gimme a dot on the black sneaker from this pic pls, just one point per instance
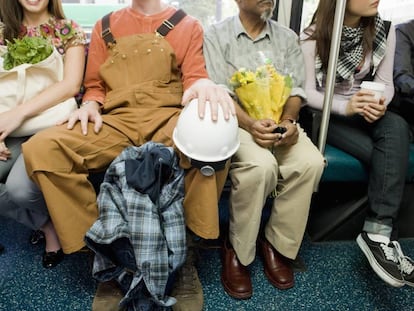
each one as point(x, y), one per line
point(382, 258)
point(406, 264)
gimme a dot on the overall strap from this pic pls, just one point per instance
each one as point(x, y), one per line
point(106, 30)
point(169, 24)
point(163, 30)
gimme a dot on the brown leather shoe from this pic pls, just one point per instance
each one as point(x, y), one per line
point(276, 266)
point(234, 276)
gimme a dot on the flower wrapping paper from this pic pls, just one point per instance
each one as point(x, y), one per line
point(262, 92)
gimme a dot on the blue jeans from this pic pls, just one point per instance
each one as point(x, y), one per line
point(383, 147)
point(14, 145)
point(19, 196)
point(21, 199)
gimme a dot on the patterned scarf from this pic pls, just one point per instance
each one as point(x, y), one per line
point(351, 52)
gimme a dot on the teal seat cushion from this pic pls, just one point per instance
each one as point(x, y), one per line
point(342, 167)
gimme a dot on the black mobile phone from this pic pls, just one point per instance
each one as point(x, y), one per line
point(280, 130)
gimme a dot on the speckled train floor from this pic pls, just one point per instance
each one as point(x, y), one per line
point(337, 277)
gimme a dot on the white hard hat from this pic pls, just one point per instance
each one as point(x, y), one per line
point(208, 144)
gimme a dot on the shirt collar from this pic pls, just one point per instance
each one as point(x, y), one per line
point(239, 30)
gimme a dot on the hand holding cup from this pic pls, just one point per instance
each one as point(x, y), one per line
point(376, 87)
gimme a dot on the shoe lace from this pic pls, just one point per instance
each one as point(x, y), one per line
point(389, 252)
point(406, 263)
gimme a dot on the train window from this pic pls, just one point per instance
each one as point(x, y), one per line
point(87, 12)
point(309, 7)
point(395, 11)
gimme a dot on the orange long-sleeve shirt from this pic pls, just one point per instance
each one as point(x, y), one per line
point(186, 39)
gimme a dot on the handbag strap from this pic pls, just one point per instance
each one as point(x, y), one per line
point(166, 26)
point(21, 78)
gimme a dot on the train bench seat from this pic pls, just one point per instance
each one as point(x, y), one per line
point(340, 205)
point(343, 167)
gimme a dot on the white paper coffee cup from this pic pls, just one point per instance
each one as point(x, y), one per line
point(376, 87)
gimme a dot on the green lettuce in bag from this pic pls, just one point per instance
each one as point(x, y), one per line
point(27, 50)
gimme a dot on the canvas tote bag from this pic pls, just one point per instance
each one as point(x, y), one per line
point(27, 80)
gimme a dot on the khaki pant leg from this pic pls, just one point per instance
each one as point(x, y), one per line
point(253, 174)
point(58, 160)
point(300, 168)
point(202, 194)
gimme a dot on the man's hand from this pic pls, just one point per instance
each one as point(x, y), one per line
point(288, 138)
point(206, 91)
point(262, 132)
point(85, 114)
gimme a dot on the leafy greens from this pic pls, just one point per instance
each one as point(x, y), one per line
point(27, 50)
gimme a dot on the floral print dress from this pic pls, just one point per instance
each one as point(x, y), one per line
point(63, 33)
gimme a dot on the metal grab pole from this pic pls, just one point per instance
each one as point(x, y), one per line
point(331, 72)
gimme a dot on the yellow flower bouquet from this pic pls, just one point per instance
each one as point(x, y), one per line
point(262, 92)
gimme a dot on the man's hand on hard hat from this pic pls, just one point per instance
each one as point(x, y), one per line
point(209, 93)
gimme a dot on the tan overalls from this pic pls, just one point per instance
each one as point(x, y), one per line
point(142, 104)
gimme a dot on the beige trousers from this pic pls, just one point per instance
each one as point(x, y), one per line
point(294, 171)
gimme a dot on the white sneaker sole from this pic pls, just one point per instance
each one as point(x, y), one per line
point(384, 275)
point(409, 283)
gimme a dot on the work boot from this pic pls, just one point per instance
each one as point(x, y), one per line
point(107, 297)
point(187, 287)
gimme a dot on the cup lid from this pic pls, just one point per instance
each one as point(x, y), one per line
point(375, 86)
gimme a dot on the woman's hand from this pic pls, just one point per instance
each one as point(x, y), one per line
point(374, 111)
point(9, 121)
point(365, 104)
point(358, 101)
point(4, 152)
